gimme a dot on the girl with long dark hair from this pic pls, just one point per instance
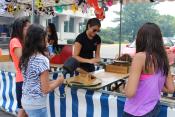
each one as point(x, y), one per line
point(35, 67)
point(52, 38)
point(19, 29)
point(88, 43)
point(149, 75)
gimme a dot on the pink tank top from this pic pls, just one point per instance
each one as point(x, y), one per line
point(147, 94)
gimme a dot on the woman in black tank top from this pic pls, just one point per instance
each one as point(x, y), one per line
point(87, 46)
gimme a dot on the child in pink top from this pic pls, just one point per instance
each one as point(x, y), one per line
point(149, 74)
point(19, 30)
point(14, 44)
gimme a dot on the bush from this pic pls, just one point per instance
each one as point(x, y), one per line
point(107, 41)
point(70, 41)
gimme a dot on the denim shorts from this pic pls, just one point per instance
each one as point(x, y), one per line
point(37, 113)
point(153, 113)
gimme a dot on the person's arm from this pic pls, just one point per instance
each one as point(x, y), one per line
point(133, 80)
point(18, 52)
point(48, 86)
point(169, 84)
point(16, 47)
point(97, 53)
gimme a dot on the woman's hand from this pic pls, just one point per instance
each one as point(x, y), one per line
point(169, 84)
point(47, 85)
point(94, 60)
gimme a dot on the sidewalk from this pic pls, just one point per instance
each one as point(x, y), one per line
point(3, 114)
point(107, 50)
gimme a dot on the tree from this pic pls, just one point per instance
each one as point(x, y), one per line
point(109, 34)
point(167, 25)
point(134, 16)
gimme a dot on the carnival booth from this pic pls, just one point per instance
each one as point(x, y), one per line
point(101, 95)
point(102, 98)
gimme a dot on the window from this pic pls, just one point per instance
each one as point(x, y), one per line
point(36, 19)
point(49, 21)
point(69, 25)
point(55, 20)
point(66, 26)
point(5, 30)
point(82, 26)
point(4, 35)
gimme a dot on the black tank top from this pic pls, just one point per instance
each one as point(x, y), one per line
point(89, 46)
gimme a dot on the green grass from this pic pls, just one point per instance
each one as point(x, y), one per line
point(116, 42)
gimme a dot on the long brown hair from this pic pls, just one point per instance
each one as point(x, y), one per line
point(34, 43)
point(53, 35)
point(149, 40)
point(18, 27)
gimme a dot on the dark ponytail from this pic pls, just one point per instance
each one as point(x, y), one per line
point(93, 22)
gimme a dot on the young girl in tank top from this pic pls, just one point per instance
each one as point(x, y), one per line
point(149, 74)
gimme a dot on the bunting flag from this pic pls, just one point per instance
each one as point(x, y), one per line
point(74, 8)
point(2, 10)
point(99, 12)
point(59, 9)
point(109, 2)
point(50, 7)
point(84, 8)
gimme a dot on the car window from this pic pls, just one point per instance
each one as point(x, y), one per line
point(173, 40)
point(168, 42)
point(133, 45)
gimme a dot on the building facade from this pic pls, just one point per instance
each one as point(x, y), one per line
point(68, 24)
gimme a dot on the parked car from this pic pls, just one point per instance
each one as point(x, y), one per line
point(169, 46)
point(0, 51)
point(172, 39)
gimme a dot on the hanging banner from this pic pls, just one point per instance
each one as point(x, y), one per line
point(109, 3)
point(59, 9)
point(74, 8)
point(99, 12)
point(2, 10)
point(84, 8)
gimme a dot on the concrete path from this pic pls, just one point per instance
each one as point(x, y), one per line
point(3, 114)
point(107, 50)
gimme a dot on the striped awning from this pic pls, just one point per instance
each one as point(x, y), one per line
point(142, 1)
point(49, 2)
point(66, 2)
